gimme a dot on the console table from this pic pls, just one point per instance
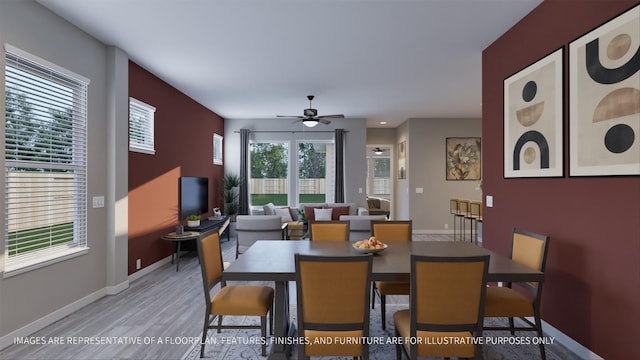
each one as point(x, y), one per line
point(192, 233)
point(178, 239)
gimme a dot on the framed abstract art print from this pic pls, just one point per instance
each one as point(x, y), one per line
point(533, 115)
point(604, 99)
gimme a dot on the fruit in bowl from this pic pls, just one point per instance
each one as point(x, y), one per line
point(369, 245)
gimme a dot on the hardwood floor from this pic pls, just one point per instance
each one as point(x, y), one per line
point(164, 308)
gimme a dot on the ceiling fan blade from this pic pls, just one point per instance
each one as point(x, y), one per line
point(335, 116)
point(323, 121)
point(296, 121)
point(290, 116)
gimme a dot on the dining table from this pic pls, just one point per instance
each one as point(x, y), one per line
point(273, 261)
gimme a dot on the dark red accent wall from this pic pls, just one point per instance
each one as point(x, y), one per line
point(184, 147)
point(592, 287)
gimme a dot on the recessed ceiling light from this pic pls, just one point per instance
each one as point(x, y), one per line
point(383, 123)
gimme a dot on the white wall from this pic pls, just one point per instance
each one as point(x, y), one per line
point(34, 299)
point(355, 147)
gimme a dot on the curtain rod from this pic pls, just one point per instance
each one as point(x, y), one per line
point(289, 131)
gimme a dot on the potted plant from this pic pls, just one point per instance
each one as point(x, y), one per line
point(231, 184)
point(193, 221)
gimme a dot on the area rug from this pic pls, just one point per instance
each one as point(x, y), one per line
point(243, 343)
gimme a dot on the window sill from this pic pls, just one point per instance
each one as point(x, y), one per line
point(42, 261)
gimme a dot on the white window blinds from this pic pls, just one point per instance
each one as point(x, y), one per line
point(45, 162)
point(141, 123)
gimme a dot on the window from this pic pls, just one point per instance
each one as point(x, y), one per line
point(45, 162)
point(141, 127)
point(217, 149)
point(316, 172)
point(269, 172)
point(379, 172)
point(303, 168)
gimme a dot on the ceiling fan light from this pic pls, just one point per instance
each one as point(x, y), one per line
point(377, 151)
point(310, 122)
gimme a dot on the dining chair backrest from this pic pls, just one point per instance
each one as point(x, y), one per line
point(529, 249)
point(329, 230)
point(210, 257)
point(448, 291)
point(333, 300)
point(447, 295)
point(395, 230)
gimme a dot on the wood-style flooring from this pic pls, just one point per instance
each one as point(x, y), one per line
point(163, 306)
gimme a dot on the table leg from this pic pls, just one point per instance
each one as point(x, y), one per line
point(178, 255)
point(282, 328)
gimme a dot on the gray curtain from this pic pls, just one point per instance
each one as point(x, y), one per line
point(243, 196)
point(339, 140)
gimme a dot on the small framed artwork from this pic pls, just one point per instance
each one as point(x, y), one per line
point(604, 99)
point(217, 149)
point(463, 158)
point(402, 160)
point(533, 119)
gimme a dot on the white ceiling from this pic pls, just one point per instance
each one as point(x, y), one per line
point(383, 60)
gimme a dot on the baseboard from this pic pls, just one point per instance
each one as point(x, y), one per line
point(156, 265)
point(448, 232)
point(114, 290)
point(49, 319)
point(568, 342)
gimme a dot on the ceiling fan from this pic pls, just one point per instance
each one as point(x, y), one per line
point(378, 151)
point(310, 116)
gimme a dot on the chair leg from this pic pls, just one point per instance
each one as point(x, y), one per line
point(543, 353)
point(263, 331)
point(511, 326)
point(383, 312)
point(219, 323)
point(373, 295)
point(204, 334)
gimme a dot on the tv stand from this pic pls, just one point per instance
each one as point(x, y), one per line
point(220, 222)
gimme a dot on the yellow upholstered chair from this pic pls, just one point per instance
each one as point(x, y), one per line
point(329, 230)
point(333, 302)
point(446, 302)
point(389, 231)
point(528, 249)
point(244, 300)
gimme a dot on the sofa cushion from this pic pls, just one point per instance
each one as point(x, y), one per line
point(269, 209)
point(353, 208)
point(284, 213)
point(322, 214)
point(339, 211)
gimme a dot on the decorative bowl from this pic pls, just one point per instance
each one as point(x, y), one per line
point(369, 251)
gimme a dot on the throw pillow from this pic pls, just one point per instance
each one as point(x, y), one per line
point(309, 212)
point(338, 211)
point(285, 213)
point(269, 209)
point(322, 214)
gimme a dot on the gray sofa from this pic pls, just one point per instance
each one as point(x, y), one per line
point(269, 209)
point(360, 225)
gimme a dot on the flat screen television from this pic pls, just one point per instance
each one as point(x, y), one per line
point(194, 196)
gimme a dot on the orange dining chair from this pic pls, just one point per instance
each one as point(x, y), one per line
point(529, 249)
point(333, 303)
point(329, 230)
point(389, 231)
point(446, 302)
point(237, 300)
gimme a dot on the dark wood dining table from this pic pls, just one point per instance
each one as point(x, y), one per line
point(273, 260)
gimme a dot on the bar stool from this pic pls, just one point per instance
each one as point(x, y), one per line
point(463, 211)
point(454, 209)
point(474, 215)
